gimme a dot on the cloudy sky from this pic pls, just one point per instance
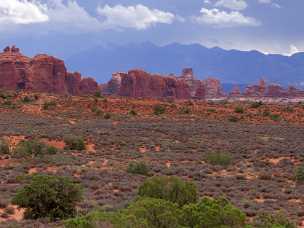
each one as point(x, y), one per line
point(63, 27)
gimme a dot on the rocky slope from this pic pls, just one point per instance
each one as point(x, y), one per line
point(41, 73)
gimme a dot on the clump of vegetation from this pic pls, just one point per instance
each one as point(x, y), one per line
point(275, 117)
point(233, 119)
point(212, 213)
point(75, 143)
point(289, 109)
point(159, 110)
point(138, 168)
point(279, 220)
point(4, 147)
point(266, 113)
point(28, 99)
point(33, 148)
point(211, 110)
point(9, 104)
point(155, 212)
point(185, 110)
point(98, 94)
point(48, 196)
point(96, 110)
point(239, 110)
point(299, 173)
point(49, 105)
point(256, 104)
point(218, 158)
point(172, 189)
point(133, 113)
point(107, 116)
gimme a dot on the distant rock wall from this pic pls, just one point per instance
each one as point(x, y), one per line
point(42, 73)
point(138, 83)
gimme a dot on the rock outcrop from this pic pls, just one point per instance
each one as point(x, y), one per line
point(138, 83)
point(41, 73)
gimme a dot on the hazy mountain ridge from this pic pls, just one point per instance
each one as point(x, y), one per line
point(230, 66)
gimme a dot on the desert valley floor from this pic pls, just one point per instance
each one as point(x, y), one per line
point(265, 143)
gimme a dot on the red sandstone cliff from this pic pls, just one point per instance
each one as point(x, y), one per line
point(138, 83)
point(42, 73)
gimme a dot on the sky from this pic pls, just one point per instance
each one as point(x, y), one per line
point(65, 27)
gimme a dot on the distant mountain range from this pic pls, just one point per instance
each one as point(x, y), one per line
point(230, 66)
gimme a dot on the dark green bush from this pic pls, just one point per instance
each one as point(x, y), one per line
point(27, 99)
point(212, 213)
point(98, 219)
point(49, 105)
point(218, 158)
point(33, 148)
point(279, 220)
point(299, 173)
point(239, 110)
point(107, 116)
point(157, 213)
point(172, 189)
point(133, 113)
point(275, 117)
point(75, 143)
point(48, 196)
point(159, 110)
point(233, 119)
point(138, 168)
point(184, 110)
point(256, 104)
point(4, 147)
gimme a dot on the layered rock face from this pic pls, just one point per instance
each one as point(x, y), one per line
point(271, 90)
point(138, 83)
point(42, 73)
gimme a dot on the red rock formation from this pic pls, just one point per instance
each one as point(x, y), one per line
point(42, 73)
point(138, 83)
point(235, 92)
point(256, 90)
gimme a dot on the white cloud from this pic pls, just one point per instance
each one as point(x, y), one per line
point(71, 14)
point(218, 18)
point(232, 4)
point(293, 49)
point(138, 17)
point(22, 12)
point(265, 1)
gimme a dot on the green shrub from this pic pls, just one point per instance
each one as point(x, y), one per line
point(48, 196)
point(239, 110)
point(27, 99)
point(211, 110)
point(172, 189)
point(299, 173)
point(275, 117)
point(158, 213)
point(49, 105)
point(185, 110)
point(98, 94)
point(138, 168)
point(107, 116)
point(75, 143)
point(256, 104)
point(159, 110)
point(279, 220)
point(33, 148)
point(133, 113)
point(233, 119)
point(99, 219)
point(4, 148)
point(218, 158)
point(212, 213)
